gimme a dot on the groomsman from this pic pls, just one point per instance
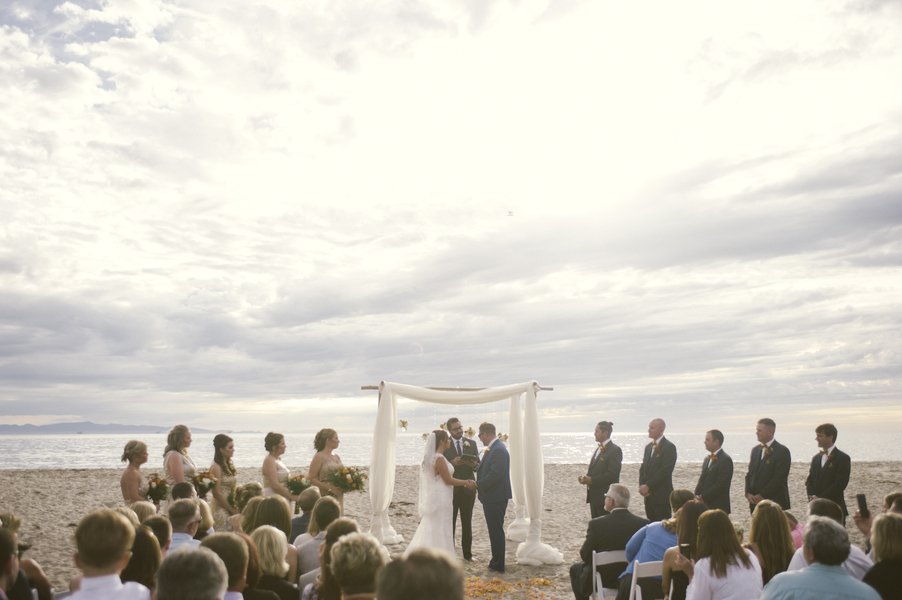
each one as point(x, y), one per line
point(717, 474)
point(768, 476)
point(830, 468)
point(604, 469)
point(464, 455)
point(656, 472)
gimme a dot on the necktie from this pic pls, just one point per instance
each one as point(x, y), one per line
point(458, 448)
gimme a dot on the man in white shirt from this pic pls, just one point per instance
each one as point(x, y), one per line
point(857, 564)
point(185, 518)
point(104, 541)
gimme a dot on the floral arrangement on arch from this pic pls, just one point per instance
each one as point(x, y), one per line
point(203, 483)
point(348, 479)
point(157, 488)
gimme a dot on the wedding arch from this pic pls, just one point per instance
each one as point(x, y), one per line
point(527, 465)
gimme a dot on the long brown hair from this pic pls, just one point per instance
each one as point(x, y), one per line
point(770, 532)
point(718, 541)
point(219, 443)
point(687, 524)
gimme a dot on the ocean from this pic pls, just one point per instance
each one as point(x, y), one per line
point(103, 451)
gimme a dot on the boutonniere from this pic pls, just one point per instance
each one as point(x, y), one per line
point(767, 452)
point(713, 458)
point(829, 464)
point(602, 448)
point(486, 451)
point(467, 444)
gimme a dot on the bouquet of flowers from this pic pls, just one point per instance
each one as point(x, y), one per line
point(348, 479)
point(157, 488)
point(203, 483)
point(296, 485)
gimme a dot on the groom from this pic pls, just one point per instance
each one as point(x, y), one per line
point(493, 485)
point(465, 457)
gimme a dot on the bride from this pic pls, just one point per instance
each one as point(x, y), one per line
point(435, 496)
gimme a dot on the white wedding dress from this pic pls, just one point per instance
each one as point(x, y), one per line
point(435, 506)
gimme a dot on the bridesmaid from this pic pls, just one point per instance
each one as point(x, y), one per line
point(134, 489)
point(177, 465)
point(325, 462)
point(275, 473)
point(225, 473)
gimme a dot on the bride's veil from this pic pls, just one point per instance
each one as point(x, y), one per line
point(427, 479)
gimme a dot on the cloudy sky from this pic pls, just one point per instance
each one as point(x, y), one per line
point(235, 214)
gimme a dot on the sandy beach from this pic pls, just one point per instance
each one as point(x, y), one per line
point(50, 503)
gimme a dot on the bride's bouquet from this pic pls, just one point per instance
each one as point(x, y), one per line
point(348, 479)
point(157, 488)
point(203, 483)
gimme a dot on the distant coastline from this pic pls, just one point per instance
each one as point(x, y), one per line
point(84, 427)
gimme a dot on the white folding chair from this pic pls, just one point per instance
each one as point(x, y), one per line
point(647, 569)
point(599, 592)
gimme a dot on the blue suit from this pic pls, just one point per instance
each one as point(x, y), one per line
point(494, 490)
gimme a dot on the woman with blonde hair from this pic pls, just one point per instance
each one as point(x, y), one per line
point(325, 462)
point(223, 470)
point(273, 511)
point(143, 509)
point(886, 539)
point(134, 488)
point(272, 547)
point(177, 465)
point(724, 568)
point(770, 538)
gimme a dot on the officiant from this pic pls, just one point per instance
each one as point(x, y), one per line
point(464, 455)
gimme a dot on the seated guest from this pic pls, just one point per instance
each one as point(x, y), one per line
point(243, 495)
point(649, 544)
point(424, 573)
point(274, 511)
point(29, 578)
point(770, 538)
point(675, 580)
point(857, 564)
point(724, 568)
point(357, 559)
point(9, 560)
point(251, 592)
point(797, 529)
point(145, 559)
point(128, 514)
point(162, 529)
point(184, 515)
point(272, 547)
point(326, 510)
point(305, 502)
point(143, 510)
point(826, 547)
point(185, 490)
point(103, 541)
point(233, 552)
point(886, 574)
point(192, 574)
point(322, 584)
point(249, 515)
point(864, 524)
point(608, 532)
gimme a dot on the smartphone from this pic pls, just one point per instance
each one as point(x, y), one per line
point(684, 550)
point(862, 506)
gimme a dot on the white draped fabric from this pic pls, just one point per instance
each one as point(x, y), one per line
point(527, 466)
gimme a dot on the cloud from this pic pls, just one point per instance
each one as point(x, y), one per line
point(236, 215)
